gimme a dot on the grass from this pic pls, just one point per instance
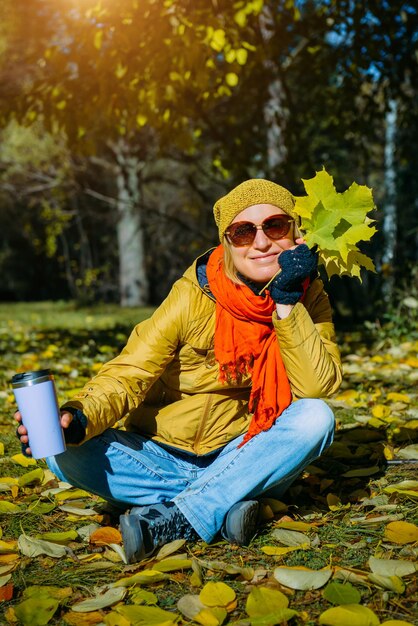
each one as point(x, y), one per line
point(67, 316)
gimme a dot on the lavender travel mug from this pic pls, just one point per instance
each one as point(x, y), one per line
point(37, 402)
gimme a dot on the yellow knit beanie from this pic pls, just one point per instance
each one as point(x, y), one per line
point(248, 193)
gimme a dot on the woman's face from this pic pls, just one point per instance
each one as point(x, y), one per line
point(258, 261)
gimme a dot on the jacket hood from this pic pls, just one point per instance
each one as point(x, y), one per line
point(196, 272)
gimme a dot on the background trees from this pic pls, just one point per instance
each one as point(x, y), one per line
point(160, 106)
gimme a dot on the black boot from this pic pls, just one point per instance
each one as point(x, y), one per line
point(147, 528)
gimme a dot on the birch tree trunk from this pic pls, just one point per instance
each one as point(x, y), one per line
point(133, 281)
point(389, 226)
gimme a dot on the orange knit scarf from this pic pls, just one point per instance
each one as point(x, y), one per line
point(246, 343)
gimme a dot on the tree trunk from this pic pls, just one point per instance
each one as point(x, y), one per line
point(389, 226)
point(275, 112)
point(275, 117)
point(133, 282)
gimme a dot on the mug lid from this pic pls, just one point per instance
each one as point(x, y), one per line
point(24, 377)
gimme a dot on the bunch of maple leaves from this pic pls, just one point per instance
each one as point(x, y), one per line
point(336, 223)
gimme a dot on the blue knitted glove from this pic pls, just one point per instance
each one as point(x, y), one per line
point(296, 264)
point(76, 431)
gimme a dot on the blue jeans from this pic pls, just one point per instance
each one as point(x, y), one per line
point(126, 468)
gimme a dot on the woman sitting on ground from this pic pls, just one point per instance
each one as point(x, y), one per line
point(220, 387)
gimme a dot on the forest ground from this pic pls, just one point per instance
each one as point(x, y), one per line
point(340, 549)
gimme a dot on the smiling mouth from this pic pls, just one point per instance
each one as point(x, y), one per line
point(264, 257)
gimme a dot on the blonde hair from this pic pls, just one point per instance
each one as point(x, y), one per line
point(229, 267)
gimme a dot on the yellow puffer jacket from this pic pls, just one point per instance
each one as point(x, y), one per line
point(166, 380)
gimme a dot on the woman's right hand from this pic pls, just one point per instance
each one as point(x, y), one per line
point(22, 433)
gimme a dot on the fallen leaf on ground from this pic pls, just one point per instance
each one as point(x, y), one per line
point(5, 569)
point(146, 577)
point(394, 396)
point(293, 525)
point(59, 537)
point(391, 583)
point(8, 558)
point(409, 452)
point(6, 592)
point(278, 551)
point(23, 460)
point(8, 507)
point(170, 548)
point(35, 547)
point(290, 537)
point(341, 593)
point(75, 510)
point(86, 619)
point(263, 600)
point(381, 411)
point(7, 547)
point(110, 597)
point(302, 577)
point(172, 564)
point(401, 532)
point(220, 566)
point(36, 611)
point(349, 615)
point(335, 504)
point(49, 591)
point(71, 494)
point(7, 481)
point(5, 579)
point(391, 567)
point(147, 615)
point(193, 608)
point(105, 536)
point(217, 594)
point(35, 476)
point(364, 471)
point(142, 596)
point(351, 575)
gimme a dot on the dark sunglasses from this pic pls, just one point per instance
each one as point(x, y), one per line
point(244, 233)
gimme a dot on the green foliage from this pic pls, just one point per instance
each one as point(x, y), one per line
point(141, 80)
point(30, 148)
point(195, 80)
point(36, 170)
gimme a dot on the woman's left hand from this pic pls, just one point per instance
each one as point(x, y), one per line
point(22, 433)
point(296, 264)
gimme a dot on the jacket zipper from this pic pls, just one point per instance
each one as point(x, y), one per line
point(209, 399)
point(205, 413)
